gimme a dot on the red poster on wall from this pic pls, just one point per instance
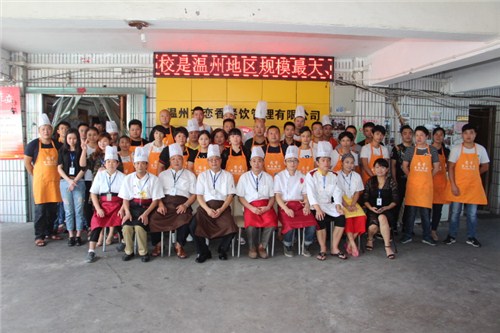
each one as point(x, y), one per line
point(11, 133)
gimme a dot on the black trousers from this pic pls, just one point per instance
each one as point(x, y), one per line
point(200, 243)
point(45, 214)
point(181, 234)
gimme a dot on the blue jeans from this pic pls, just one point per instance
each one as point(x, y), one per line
point(409, 222)
point(471, 214)
point(73, 205)
point(308, 239)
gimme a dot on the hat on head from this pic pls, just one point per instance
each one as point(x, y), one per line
point(261, 110)
point(174, 149)
point(292, 152)
point(326, 120)
point(43, 120)
point(111, 127)
point(141, 155)
point(324, 149)
point(299, 112)
point(213, 151)
point(192, 125)
point(111, 153)
point(227, 109)
point(257, 152)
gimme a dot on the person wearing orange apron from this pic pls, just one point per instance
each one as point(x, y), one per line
point(197, 161)
point(274, 160)
point(135, 132)
point(126, 155)
point(180, 137)
point(441, 184)
point(155, 148)
point(288, 136)
point(466, 163)
point(165, 127)
point(40, 160)
point(258, 138)
point(420, 165)
point(255, 191)
point(306, 158)
point(371, 152)
point(342, 149)
point(235, 158)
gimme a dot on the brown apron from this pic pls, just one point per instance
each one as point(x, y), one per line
point(171, 220)
point(210, 228)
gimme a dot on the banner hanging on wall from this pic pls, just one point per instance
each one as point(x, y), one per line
point(11, 135)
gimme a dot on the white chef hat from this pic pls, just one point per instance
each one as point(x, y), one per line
point(192, 125)
point(43, 120)
point(324, 149)
point(326, 120)
point(174, 149)
point(261, 110)
point(141, 155)
point(227, 109)
point(292, 152)
point(111, 153)
point(257, 152)
point(213, 151)
point(299, 112)
point(111, 127)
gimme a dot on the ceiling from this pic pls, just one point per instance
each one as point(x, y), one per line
point(367, 29)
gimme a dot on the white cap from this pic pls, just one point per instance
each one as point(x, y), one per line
point(324, 149)
point(261, 110)
point(326, 120)
point(111, 127)
point(192, 125)
point(257, 152)
point(299, 112)
point(111, 153)
point(174, 149)
point(43, 120)
point(292, 152)
point(228, 109)
point(213, 151)
point(141, 155)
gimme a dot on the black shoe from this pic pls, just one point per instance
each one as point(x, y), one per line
point(203, 257)
point(145, 258)
point(79, 241)
point(120, 247)
point(71, 241)
point(449, 240)
point(473, 241)
point(222, 255)
point(127, 257)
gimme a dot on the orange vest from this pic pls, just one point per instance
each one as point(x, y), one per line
point(419, 188)
point(46, 178)
point(468, 180)
point(236, 165)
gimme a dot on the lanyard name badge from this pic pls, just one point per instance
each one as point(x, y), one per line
point(72, 156)
point(215, 177)
point(141, 190)
point(256, 180)
point(324, 196)
point(109, 196)
point(173, 191)
point(379, 199)
point(348, 183)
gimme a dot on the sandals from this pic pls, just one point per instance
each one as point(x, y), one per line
point(40, 242)
point(347, 248)
point(368, 247)
point(321, 256)
point(179, 250)
point(156, 251)
point(340, 255)
point(392, 255)
point(55, 237)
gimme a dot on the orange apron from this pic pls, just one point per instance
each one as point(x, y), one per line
point(236, 165)
point(169, 138)
point(132, 148)
point(419, 187)
point(128, 165)
point(274, 162)
point(200, 164)
point(338, 166)
point(46, 178)
point(441, 185)
point(371, 165)
point(306, 164)
point(185, 157)
point(468, 180)
point(153, 160)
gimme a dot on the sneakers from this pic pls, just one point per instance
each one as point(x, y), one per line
point(90, 257)
point(288, 251)
point(306, 252)
point(71, 241)
point(473, 241)
point(406, 240)
point(449, 240)
point(429, 241)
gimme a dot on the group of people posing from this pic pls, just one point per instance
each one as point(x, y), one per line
point(304, 180)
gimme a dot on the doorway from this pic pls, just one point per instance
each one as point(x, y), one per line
point(483, 118)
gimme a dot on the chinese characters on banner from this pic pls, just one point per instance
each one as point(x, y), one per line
point(194, 65)
point(11, 135)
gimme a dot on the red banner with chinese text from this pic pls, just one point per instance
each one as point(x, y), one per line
point(11, 135)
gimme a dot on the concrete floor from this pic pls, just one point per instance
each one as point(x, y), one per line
point(443, 289)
